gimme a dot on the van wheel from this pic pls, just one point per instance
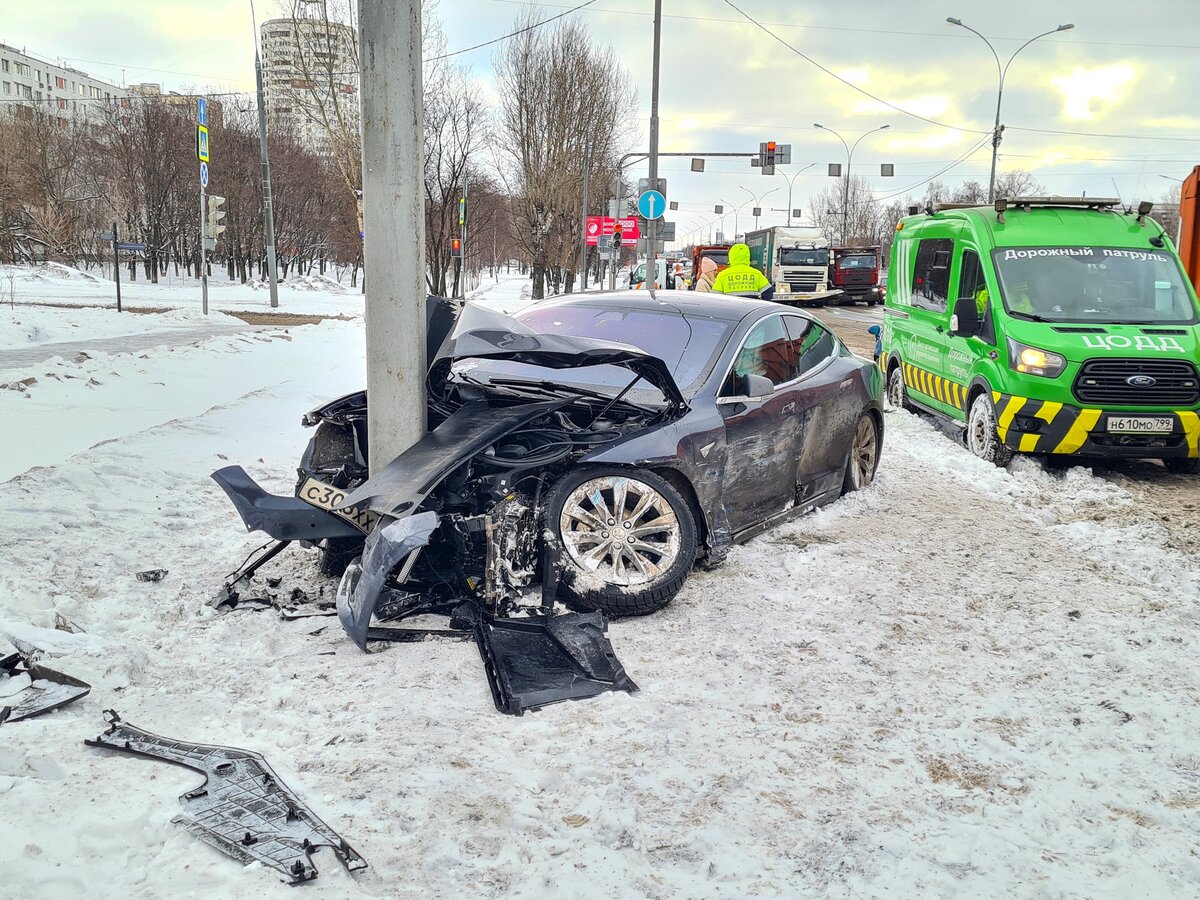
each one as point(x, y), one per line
point(1183, 466)
point(897, 392)
point(982, 438)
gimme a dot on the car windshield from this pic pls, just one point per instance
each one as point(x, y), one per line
point(1110, 285)
point(688, 345)
point(795, 256)
point(856, 262)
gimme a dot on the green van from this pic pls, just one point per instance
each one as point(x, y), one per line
point(1046, 325)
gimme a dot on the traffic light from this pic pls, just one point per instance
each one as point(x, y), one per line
point(213, 227)
point(456, 248)
point(618, 236)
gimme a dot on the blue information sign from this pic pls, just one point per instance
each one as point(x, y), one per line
point(652, 205)
point(201, 111)
point(203, 174)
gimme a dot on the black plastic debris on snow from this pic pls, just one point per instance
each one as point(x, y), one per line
point(45, 690)
point(532, 662)
point(242, 809)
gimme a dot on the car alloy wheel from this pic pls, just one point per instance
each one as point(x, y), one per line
point(863, 453)
point(620, 530)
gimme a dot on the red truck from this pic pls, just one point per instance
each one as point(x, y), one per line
point(855, 272)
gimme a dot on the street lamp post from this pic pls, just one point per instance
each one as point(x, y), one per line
point(846, 175)
point(791, 184)
point(1001, 72)
point(758, 201)
point(737, 209)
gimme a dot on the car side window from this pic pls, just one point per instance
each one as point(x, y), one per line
point(811, 343)
point(931, 278)
point(768, 352)
point(973, 286)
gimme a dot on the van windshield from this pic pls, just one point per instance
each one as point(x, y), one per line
point(1110, 285)
point(794, 256)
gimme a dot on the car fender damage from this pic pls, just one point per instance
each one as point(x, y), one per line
point(243, 808)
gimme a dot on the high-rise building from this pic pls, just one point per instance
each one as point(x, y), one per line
point(310, 77)
point(28, 83)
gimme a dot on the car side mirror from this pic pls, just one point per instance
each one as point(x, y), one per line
point(965, 321)
point(759, 386)
point(875, 330)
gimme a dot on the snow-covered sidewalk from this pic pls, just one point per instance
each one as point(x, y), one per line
point(961, 682)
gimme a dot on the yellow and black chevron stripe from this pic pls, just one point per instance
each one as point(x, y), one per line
point(1067, 427)
point(935, 386)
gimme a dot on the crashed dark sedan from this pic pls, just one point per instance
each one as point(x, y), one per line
point(600, 445)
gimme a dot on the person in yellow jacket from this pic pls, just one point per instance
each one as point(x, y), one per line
point(741, 277)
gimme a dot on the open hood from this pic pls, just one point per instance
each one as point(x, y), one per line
point(486, 334)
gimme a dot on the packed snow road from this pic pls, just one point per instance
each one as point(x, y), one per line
point(962, 681)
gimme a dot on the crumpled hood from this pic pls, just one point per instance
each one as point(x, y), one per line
point(739, 255)
point(487, 334)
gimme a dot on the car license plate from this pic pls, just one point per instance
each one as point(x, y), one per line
point(1141, 424)
point(327, 497)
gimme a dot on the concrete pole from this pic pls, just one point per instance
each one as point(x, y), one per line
point(394, 224)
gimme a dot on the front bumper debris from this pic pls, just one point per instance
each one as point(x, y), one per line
point(540, 660)
point(28, 689)
point(242, 809)
point(364, 580)
point(283, 518)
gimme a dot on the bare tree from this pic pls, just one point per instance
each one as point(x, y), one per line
point(560, 95)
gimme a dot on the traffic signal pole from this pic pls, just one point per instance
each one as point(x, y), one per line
point(394, 230)
point(652, 224)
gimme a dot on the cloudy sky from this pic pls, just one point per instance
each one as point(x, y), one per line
point(1104, 108)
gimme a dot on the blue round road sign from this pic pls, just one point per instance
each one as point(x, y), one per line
point(652, 205)
point(203, 174)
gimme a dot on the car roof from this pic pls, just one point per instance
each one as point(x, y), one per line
point(1044, 226)
point(688, 303)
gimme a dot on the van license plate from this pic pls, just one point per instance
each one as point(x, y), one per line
point(1141, 424)
point(326, 496)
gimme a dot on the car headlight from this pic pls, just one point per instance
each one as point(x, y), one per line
point(1034, 361)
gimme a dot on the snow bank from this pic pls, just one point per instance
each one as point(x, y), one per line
point(26, 326)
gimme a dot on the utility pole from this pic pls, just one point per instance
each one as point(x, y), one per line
point(203, 252)
point(268, 205)
point(461, 273)
point(117, 270)
point(652, 224)
point(587, 165)
point(389, 34)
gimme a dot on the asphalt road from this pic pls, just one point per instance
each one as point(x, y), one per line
point(850, 323)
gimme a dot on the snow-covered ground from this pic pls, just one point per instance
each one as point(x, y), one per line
point(962, 681)
point(61, 285)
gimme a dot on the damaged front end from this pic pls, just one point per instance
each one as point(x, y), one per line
point(453, 524)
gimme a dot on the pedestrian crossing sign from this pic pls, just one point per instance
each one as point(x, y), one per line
point(202, 143)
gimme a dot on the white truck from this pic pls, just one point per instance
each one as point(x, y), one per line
point(796, 260)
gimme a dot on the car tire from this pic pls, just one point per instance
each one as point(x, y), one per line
point(337, 554)
point(981, 436)
point(634, 577)
point(1182, 466)
point(863, 460)
point(897, 391)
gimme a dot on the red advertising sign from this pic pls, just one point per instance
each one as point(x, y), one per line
point(605, 225)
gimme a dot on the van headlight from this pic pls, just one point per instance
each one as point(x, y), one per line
point(1033, 361)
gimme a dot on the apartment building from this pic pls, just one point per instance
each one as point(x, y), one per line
point(309, 66)
point(28, 83)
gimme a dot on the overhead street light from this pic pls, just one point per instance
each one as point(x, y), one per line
point(849, 158)
point(1002, 72)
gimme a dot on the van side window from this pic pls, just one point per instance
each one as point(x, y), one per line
point(972, 286)
point(931, 280)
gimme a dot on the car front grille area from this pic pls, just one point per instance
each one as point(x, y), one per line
point(804, 285)
point(1175, 382)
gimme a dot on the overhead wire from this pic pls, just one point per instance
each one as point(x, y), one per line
point(513, 34)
